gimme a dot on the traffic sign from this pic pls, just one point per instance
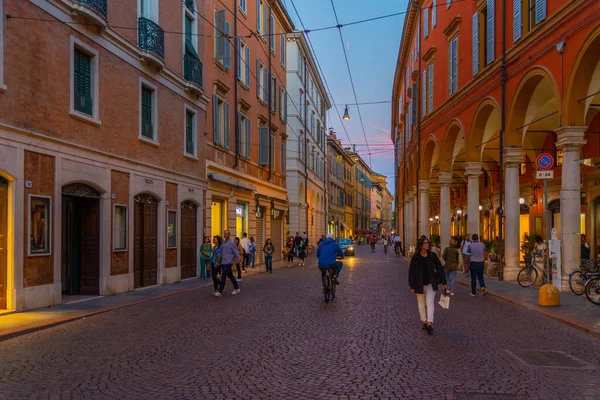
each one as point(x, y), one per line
point(545, 175)
point(545, 161)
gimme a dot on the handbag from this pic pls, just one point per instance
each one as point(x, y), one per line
point(444, 300)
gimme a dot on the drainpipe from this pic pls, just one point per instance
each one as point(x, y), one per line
point(502, 129)
point(271, 155)
point(404, 165)
point(305, 144)
point(235, 90)
point(419, 102)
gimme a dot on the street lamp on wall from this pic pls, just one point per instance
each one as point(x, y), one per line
point(521, 201)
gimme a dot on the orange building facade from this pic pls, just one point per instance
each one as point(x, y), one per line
point(476, 95)
point(102, 152)
point(246, 135)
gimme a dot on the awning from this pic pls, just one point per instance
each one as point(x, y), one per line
point(230, 181)
point(345, 226)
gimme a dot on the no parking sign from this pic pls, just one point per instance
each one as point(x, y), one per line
point(544, 161)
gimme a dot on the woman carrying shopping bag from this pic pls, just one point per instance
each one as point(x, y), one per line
point(425, 274)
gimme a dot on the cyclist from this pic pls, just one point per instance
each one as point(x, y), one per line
point(373, 242)
point(385, 244)
point(397, 243)
point(326, 254)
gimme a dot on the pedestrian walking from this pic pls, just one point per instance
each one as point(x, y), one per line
point(451, 260)
point(289, 251)
point(269, 250)
point(246, 249)
point(215, 263)
point(301, 253)
point(229, 255)
point(425, 274)
point(477, 250)
point(252, 251)
point(464, 249)
point(240, 264)
point(205, 258)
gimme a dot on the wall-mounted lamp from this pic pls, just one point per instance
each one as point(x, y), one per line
point(459, 211)
point(480, 207)
point(437, 217)
point(430, 219)
point(521, 201)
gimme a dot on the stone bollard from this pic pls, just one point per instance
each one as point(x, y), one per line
point(549, 296)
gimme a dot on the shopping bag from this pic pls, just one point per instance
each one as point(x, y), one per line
point(444, 301)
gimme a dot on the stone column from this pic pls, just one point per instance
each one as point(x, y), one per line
point(512, 212)
point(407, 219)
point(445, 179)
point(415, 225)
point(570, 140)
point(424, 185)
point(473, 172)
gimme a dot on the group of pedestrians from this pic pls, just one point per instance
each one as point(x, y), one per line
point(426, 273)
point(296, 246)
point(218, 259)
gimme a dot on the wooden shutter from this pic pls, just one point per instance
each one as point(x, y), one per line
point(448, 3)
point(433, 15)
point(248, 138)
point(82, 82)
point(517, 23)
point(226, 132)
point(272, 150)
point(220, 25)
point(227, 44)
point(272, 33)
point(285, 105)
point(264, 19)
point(430, 88)
point(426, 22)
point(258, 75)
point(147, 112)
point(238, 131)
point(475, 48)
point(415, 90)
point(540, 11)
point(282, 49)
point(424, 95)
point(188, 29)
point(216, 120)
point(258, 27)
point(265, 85)
point(238, 69)
point(263, 145)
point(190, 145)
point(490, 32)
point(247, 78)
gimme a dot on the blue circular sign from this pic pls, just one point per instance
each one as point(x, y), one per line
point(545, 161)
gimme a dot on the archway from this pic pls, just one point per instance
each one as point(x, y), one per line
point(189, 227)
point(80, 229)
point(145, 249)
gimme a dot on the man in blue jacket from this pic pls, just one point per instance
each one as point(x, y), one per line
point(326, 253)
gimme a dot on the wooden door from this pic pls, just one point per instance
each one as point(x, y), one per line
point(188, 240)
point(277, 239)
point(90, 246)
point(260, 240)
point(138, 238)
point(3, 241)
point(150, 243)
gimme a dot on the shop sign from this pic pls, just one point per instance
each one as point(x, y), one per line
point(275, 214)
point(259, 212)
point(239, 211)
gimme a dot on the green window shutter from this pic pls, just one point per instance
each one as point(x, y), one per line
point(238, 44)
point(248, 138)
point(147, 128)
point(216, 121)
point(82, 82)
point(189, 134)
point(226, 131)
point(238, 130)
point(188, 29)
point(247, 78)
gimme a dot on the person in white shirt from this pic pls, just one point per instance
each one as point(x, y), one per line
point(245, 242)
point(397, 243)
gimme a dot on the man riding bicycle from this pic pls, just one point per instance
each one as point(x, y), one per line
point(397, 243)
point(373, 242)
point(326, 254)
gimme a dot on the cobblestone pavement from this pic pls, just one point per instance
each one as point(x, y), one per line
point(278, 340)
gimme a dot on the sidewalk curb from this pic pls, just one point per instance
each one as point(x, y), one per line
point(573, 323)
point(12, 333)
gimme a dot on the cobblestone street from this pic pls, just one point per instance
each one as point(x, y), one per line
point(279, 340)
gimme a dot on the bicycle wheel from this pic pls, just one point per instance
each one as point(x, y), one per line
point(326, 287)
point(492, 270)
point(333, 291)
point(527, 276)
point(577, 282)
point(592, 290)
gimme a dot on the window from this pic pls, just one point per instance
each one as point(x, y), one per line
point(120, 228)
point(262, 81)
point(244, 146)
point(433, 15)
point(243, 64)
point(272, 150)
point(148, 107)
point(426, 22)
point(191, 60)
point(171, 229)
point(190, 133)
point(430, 86)
point(84, 81)
point(272, 34)
point(221, 133)
point(475, 43)
point(39, 225)
point(517, 19)
point(274, 94)
point(537, 12)
point(261, 18)
point(149, 9)
point(281, 50)
point(483, 36)
point(282, 103)
point(453, 66)
point(263, 145)
point(243, 6)
point(424, 95)
point(448, 2)
point(282, 157)
point(222, 44)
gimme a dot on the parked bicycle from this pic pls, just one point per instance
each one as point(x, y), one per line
point(529, 274)
point(579, 278)
point(592, 289)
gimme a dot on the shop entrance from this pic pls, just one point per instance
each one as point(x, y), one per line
point(3, 240)
point(80, 267)
point(188, 239)
point(145, 252)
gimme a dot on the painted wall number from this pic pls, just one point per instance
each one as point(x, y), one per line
point(190, 190)
point(149, 181)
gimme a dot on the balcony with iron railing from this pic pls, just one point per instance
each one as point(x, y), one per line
point(99, 6)
point(192, 70)
point(151, 39)
point(90, 12)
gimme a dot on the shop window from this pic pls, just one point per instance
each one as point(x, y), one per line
point(39, 225)
point(241, 219)
point(582, 223)
point(216, 216)
point(120, 228)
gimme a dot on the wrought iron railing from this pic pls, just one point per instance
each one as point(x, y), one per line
point(151, 37)
point(192, 69)
point(100, 6)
